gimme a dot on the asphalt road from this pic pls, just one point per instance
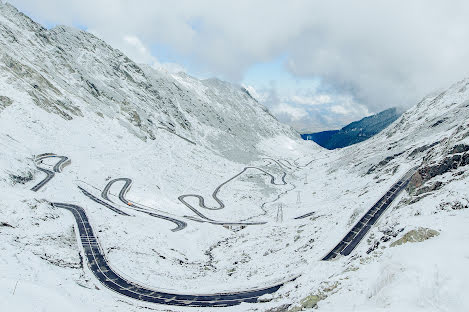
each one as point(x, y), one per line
point(305, 215)
point(102, 202)
point(221, 205)
point(127, 184)
point(280, 162)
point(61, 164)
point(49, 176)
point(100, 267)
point(58, 167)
point(361, 228)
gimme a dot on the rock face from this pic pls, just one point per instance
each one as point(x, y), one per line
point(4, 102)
point(449, 163)
point(415, 236)
point(434, 135)
point(457, 157)
point(72, 73)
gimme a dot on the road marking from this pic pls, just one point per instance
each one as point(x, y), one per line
point(365, 223)
point(98, 265)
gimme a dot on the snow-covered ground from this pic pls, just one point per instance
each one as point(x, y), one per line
point(66, 92)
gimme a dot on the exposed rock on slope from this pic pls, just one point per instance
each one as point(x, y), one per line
point(415, 236)
point(70, 93)
point(431, 131)
point(72, 73)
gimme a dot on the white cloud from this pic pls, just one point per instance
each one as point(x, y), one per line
point(334, 112)
point(313, 100)
point(289, 112)
point(339, 109)
point(169, 67)
point(384, 53)
point(259, 97)
point(136, 50)
point(345, 105)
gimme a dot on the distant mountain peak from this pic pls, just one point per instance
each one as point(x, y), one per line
point(356, 131)
point(74, 74)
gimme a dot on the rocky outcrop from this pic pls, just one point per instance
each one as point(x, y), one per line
point(421, 149)
point(71, 73)
point(457, 157)
point(42, 91)
point(383, 162)
point(6, 224)
point(414, 236)
point(312, 300)
point(429, 188)
point(21, 179)
point(449, 163)
point(5, 102)
point(459, 148)
point(282, 308)
point(453, 205)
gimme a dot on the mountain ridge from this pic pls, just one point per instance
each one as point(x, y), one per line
point(113, 120)
point(74, 70)
point(355, 132)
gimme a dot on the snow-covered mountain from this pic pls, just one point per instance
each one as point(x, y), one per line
point(67, 92)
point(73, 74)
point(356, 131)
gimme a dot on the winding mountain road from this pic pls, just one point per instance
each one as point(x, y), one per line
point(102, 202)
point(58, 167)
point(101, 269)
point(221, 205)
point(127, 185)
point(361, 228)
point(61, 163)
point(280, 162)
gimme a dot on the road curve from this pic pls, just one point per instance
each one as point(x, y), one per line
point(209, 220)
point(221, 205)
point(61, 164)
point(305, 165)
point(102, 202)
point(282, 161)
point(100, 267)
point(279, 162)
point(127, 184)
point(49, 176)
point(49, 173)
point(361, 228)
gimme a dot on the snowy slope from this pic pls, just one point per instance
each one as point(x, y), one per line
point(72, 73)
point(67, 92)
point(383, 275)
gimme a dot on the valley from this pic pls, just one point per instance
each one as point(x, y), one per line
point(170, 193)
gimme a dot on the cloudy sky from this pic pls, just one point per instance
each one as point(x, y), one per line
point(315, 64)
